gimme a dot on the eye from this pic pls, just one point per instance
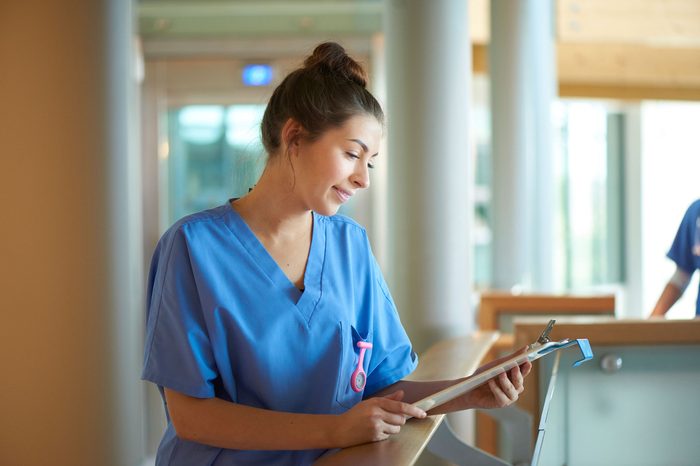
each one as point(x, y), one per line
point(352, 155)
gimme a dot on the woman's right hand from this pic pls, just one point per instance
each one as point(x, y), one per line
point(375, 419)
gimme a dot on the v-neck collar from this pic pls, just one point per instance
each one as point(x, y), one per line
point(305, 301)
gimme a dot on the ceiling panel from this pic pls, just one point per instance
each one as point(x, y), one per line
point(183, 18)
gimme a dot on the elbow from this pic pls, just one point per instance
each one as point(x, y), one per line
point(181, 415)
point(182, 426)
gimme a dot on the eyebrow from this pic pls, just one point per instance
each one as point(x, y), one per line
point(363, 145)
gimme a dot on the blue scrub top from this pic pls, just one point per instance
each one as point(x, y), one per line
point(224, 321)
point(685, 250)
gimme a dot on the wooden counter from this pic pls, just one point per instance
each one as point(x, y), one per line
point(601, 333)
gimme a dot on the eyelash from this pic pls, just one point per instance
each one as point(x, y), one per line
point(355, 156)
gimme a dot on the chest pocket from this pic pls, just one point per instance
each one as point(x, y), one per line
point(349, 358)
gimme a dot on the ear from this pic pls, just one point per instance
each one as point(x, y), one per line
point(291, 134)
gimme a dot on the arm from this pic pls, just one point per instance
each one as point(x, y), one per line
point(220, 423)
point(667, 299)
point(672, 292)
point(499, 392)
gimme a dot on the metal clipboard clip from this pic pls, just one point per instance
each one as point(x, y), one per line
point(548, 346)
point(583, 345)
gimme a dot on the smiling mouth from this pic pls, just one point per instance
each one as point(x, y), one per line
point(343, 195)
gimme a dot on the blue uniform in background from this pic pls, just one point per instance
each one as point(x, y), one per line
point(685, 250)
point(224, 321)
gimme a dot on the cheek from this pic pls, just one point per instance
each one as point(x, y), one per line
point(337, 172)
point(323, 168)
point(331, 172)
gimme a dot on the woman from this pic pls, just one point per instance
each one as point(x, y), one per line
point(272, 335)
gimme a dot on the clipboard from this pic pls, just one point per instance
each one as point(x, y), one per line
point(542, 347)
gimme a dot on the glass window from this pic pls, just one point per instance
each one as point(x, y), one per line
point(215, 154)
point(588, 158)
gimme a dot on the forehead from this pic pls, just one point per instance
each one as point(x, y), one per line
point(365, 128)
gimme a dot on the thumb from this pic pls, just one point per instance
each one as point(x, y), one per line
point(396, 396)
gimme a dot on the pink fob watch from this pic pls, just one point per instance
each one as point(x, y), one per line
point(359, 377)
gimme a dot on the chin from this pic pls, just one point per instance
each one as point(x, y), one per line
point(327, 210)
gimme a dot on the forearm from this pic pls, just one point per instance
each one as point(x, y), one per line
point(667, 299)
point(220, 423)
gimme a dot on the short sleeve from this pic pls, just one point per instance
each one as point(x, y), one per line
point(393, 357)
point(681, 251)
point(178, 353)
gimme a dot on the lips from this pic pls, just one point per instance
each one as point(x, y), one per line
point(342, 194)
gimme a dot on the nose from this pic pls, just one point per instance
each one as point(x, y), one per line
point(360, 177)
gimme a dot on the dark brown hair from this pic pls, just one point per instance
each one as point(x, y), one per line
point(328, 90)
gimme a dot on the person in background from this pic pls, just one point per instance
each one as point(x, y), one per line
point(685, 252)
point(271, 333)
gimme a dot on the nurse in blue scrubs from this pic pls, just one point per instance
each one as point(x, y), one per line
point(272, 335)
point(685, 252)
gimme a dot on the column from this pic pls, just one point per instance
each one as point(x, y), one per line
point(71, 279)
point(522, 71)
point(430, 174)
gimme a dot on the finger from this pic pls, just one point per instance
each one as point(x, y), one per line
point(392, 429)
point(507, 387)
point(525, 368)
point(498, 395)
point(399, 407)
point(516, 378)
point(394, 419)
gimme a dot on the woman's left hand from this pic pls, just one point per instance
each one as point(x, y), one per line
point(501, 391)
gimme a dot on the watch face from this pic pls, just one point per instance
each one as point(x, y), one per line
point(360, 380)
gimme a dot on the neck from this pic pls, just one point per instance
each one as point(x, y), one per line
point(272, 208)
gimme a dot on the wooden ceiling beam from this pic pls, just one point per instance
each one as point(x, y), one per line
point(629, 64)
point(620, 71)
point(652, 22)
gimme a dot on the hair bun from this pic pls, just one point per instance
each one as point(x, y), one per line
point(331, 57)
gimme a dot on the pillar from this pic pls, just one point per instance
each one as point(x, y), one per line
point(71, 298)
point(430, 175)
point(522, 72)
